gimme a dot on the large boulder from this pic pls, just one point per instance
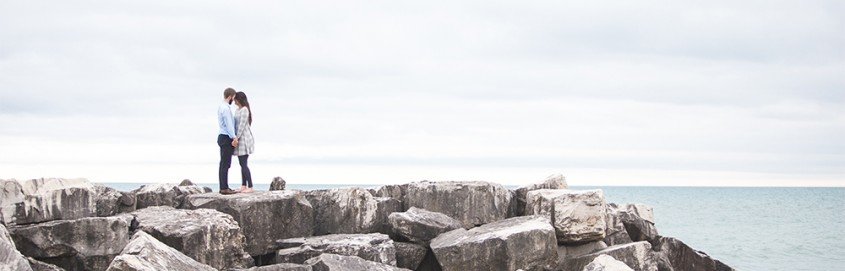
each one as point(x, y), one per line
point(526, 242)
point(615, 233)
point(557, 181)
point(277, 184)
point(420, 226)
point(396, 191)
point(164, 194)
point(82, 244)
point(145, 253)
point(375, 247)
point(42, 266)
point(46, 199)
point(625, 225)
point(11, 193)
point(682, 257)
point(10, 257)
point(350, 210)
point(637, 255)
point(473, 203)
point(409, 255)
point(641, 210)
point(264, 217)
point(334, 262)
point(572, 251)
point(577, 216)
point(208, 236)
point(110, 202)
point(606, 263)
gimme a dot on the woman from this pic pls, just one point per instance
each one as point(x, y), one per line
point(245, 143)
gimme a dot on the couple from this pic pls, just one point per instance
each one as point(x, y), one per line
point(235, 138)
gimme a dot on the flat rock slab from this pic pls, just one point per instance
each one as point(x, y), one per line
point(557, 181)
point(420, 226)
point(10, 257)
point(264, 217)
point(578, 216)
point(82, 244)
point(637, 255)
point(145, 253)
point(526, 243)
point(208, 236)
point(683, 257)
point(606, 263)
point(47, 199)
point(473, 202)
point(334, 262)
point(350, 210)
point(164, 194)
point(372, 247)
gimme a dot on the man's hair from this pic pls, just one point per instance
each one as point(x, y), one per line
point(229, 92)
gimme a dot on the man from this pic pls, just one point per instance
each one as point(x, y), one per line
point(227, 139)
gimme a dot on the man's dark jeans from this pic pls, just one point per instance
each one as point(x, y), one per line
point(226, 151)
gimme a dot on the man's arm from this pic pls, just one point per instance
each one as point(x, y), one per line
point(230, 124)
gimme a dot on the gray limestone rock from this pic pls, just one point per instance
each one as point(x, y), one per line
point(571, 251)
point(372, 247)
point(277, 184)
point(557, 181)
point(625, 226)
point(420, 226)
point(164, 194)
point(641, 210)
point(280, 267)
point(46, 199)
point(145, 253)
point(186, 182)
point(684, 258)
point(578, 216)
point(473, 203)
point(110, 202)
point(11, 193)
point(208, 236)
point(264, 217)
point(350, 210)
point(334, 262)
point(606, 263)
point(637, 255)
point(615, 233)
point(526, 242)
point(409, 255)
point(10, 257)
point(396, 191)
point(41, 266)
point(82, 244)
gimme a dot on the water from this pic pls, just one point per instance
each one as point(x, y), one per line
point(747, 228)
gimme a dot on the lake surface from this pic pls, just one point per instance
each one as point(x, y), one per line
point(747, 228)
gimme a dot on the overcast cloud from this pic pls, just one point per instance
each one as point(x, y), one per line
point(607, 93)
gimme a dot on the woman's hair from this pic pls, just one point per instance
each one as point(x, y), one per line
point(240, 97)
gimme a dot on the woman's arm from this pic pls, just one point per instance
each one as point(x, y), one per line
point(243, 121)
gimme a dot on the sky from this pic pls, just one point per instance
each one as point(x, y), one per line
point(668, 93)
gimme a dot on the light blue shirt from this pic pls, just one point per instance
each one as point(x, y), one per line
point(226, 121)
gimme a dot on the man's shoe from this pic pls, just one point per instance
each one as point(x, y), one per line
point(228, 191)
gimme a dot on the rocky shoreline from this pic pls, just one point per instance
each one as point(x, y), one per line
point(72, 224)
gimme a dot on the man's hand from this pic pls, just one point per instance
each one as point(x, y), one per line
point(235, 143)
